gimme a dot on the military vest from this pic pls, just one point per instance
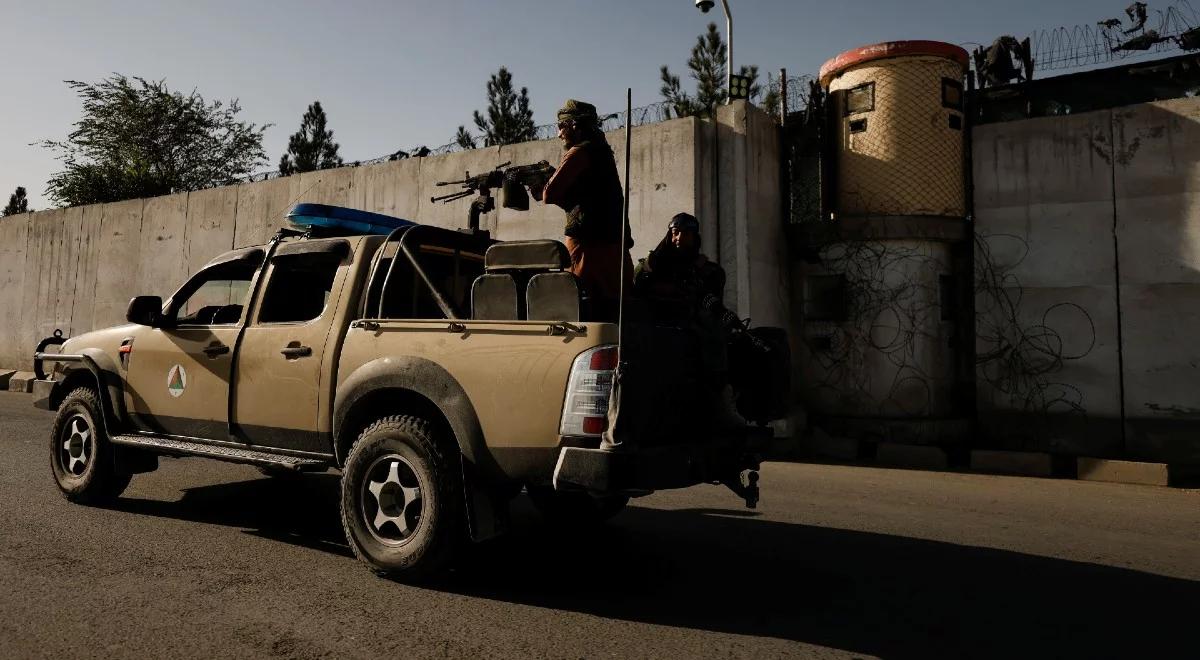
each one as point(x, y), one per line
point(595, 202)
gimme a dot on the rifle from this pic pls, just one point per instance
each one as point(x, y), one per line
point(512, 181)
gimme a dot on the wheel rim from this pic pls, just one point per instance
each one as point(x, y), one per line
point(391, 498)
point(76, 446)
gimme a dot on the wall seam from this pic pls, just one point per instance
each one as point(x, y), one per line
point(1112, 117)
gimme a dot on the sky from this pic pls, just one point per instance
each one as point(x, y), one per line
point(398, 74)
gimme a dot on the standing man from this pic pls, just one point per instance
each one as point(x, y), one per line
point(587, 187)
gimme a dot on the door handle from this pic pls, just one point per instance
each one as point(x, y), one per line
point(291, 352)
point(215, 350)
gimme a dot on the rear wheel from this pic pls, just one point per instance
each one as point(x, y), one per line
point(568, 508)
point(81, 457)
point(401, 503)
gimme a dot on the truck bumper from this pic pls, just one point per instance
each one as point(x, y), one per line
point(643, 470)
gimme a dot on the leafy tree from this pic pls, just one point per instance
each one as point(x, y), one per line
point(137, 138)
point(464, 139)
point(509, 118)
point(16, 203)
point(707, 67)
point(312, 147)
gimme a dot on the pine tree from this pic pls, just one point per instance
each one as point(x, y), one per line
point(312, 147)
point(509, 118)
point(17, 203)
point(707, 67)
point(464, 139)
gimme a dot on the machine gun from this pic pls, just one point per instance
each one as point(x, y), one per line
point(512, 181)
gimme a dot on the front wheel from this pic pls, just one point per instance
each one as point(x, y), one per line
point(401, 503)
point(81, 457)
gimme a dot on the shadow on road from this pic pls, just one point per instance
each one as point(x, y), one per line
point(730, 572)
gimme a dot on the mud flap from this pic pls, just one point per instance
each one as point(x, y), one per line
point(487, 512)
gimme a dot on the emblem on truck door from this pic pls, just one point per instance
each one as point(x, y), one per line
point(176, 381)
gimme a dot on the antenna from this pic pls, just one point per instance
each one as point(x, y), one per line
point(624, 216)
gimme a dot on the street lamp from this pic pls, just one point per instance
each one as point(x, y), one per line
point(704, 6)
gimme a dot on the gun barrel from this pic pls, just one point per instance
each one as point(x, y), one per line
point(451, 197)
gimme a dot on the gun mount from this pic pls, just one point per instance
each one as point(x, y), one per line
point(512, 181)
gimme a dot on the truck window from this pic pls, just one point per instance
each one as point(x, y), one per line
point(407, 297)
point(215, 296)
point(298, 287)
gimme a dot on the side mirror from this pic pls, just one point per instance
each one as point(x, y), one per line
point(145, 310)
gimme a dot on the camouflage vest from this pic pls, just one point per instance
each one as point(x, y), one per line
point(595, 203)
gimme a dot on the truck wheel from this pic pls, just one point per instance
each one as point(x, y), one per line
point(80, 454)
point(401, 503)
point(575, 508)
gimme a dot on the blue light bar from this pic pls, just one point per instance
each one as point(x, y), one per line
point(350, 220)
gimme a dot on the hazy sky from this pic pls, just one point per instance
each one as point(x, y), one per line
point(399, 74)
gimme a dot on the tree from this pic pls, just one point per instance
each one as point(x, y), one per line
point(137, 138)
point(509, 118)
point(707, 67)
point(464, 139)
point(16, 203)
point(312, 147)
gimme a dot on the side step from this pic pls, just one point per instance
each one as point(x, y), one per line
point(176, 447)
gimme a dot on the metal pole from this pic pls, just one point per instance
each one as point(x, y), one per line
point(783, 100)
point(625, 212)
point(729, 44)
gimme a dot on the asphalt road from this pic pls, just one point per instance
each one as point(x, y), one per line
point(202, 559)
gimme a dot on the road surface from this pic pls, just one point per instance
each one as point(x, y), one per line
point(202, 559)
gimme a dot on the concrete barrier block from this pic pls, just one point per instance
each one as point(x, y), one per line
point(1126, 472)
point(41, 393)
point(911, 456)
point(1027, 463)
point(5, 376)
point(21, 381)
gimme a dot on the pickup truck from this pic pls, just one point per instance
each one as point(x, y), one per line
point(441, 371)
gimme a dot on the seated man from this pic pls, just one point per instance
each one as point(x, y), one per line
point(685, 286)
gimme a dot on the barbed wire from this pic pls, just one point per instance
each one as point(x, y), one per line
point(799, 92)
point(647, 114)
point(1114, 39)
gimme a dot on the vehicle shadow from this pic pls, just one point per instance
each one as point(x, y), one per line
point(735, 572)
point(301, 510)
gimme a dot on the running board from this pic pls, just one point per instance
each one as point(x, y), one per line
point(176, 447)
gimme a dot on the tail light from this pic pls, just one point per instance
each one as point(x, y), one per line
point(585, 410)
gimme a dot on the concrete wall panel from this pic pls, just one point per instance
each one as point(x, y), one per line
point(261, 209)
point(390, 188)
point(119, 247)
point(87, 257)
point(326, 186)
point(14, 234)
point(208, 230)
point(163, 235)
point(1063, 160)
point(1157, 175)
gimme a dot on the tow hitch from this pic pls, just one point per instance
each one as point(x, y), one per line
point(745, 486)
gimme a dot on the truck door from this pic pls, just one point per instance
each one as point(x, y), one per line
point(285, 358)
point(177, 378)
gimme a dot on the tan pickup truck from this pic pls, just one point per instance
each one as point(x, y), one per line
point(442, 372)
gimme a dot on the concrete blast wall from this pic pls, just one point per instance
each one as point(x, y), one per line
point(1088, 281)
point(76, 269)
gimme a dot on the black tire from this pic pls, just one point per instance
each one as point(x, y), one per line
point(575, 509)
point(81, 457)
point(419, 533)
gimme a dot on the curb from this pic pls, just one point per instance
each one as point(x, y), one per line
point(21, 381)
